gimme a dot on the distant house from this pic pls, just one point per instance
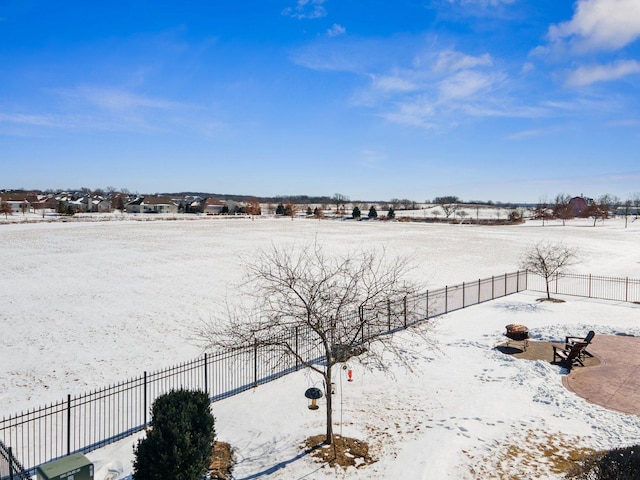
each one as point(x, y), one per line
point(151, 205)
point(46, 203)
point(212, 206)
point(19, 202)
point(234, 207)
point(98, 204)
point(580, 204)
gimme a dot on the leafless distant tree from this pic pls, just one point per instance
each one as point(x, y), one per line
point(548, 259)
point(609, 204)
point(341, 201)
point(449, 204)
point(5, 209)
point(253, 207)
point(541, 211)
point(327, 299)
point(597, 211)
point(562, 209)
point(290, 210)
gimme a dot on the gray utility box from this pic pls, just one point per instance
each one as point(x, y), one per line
point(71, 467)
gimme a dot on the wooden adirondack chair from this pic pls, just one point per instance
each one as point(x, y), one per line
point(569, 356)
point(573, 340)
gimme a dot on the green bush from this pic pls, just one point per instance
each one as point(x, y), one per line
point(179, 444)
point(616, 464)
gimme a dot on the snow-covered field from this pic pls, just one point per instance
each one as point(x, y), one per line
point(86, 304)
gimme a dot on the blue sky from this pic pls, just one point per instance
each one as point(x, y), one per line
point(503, 100)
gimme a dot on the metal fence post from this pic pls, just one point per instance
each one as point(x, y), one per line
point(206, 375)
point(255, 362)
point(144, 399)
point(446, 299)
point(69, 424)
point(405, 311)
point(463, 296)
point(479, 291)
point(626, 289)
point(493, 289)
point(295, 331)
point(427, 316)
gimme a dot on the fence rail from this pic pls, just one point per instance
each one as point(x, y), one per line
point(85, 422)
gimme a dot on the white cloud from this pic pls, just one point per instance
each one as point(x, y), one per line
point(453, 61)
point(415, 113)
point(114, 99)
point(306, 9)
point(439, 84)
point(527, 67)
point(336, 30)
point(600, 25)
point(465, 84)
point(588, 75)
point(393, 83)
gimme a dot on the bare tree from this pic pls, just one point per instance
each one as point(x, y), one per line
point(597, 211)
point(341, 201)
point(5, 209)
point(541, 211)
point(253, 207)
point(562, 209)
point(327, 300)
point(290, 210)
point(449, 204)
point(548, 259)
point(609, 205)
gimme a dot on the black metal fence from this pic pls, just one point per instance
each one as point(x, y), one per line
point(10, 467)
point(621, 289)
point(86, 422)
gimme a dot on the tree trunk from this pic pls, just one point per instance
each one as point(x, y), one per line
point(327, 381)
point(548, 293)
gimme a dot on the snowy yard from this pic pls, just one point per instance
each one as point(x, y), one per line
point(87, 304)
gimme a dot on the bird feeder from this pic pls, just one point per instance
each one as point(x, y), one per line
point(313, 394)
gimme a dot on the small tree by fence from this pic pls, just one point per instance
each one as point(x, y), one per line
point(83, 423)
